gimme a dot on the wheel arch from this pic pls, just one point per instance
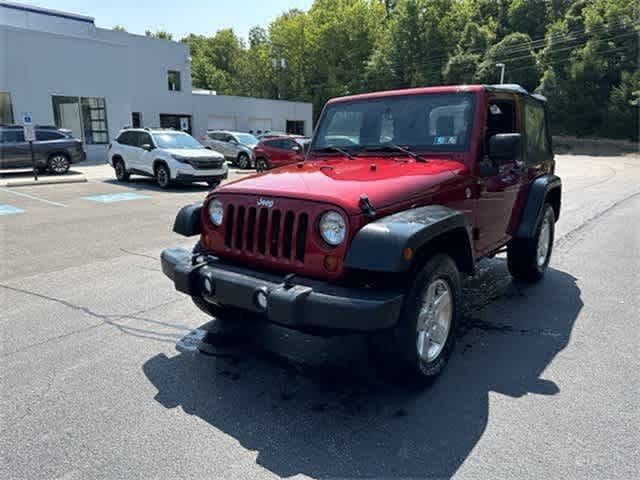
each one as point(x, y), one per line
point(409, 238)
point(543, 189)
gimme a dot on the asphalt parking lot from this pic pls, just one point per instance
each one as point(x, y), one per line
point(544, 382)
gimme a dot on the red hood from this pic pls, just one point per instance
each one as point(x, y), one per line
point(340, 181)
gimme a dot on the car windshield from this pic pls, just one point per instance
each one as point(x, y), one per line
point(175, 140)
point(247, 139)
point(428, 122)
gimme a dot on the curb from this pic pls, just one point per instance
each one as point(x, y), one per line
point(46, 181)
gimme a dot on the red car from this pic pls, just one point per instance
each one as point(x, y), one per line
point(400, 195)
point(278, 151)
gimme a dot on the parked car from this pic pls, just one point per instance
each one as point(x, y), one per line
point(276, 152)
point(167, 155)
point(53, 149)
point(375, 237)
point(237, 147)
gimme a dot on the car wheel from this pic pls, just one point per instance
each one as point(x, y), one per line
point(243, 161)
point(59, 163)
point(262, 165)
point(122, 175)
point(418, 348)
point(163, 176)
point(528, 258)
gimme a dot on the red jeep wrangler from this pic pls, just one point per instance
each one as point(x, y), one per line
point(401, 193)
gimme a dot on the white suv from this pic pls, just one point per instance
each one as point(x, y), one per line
point(167, 155)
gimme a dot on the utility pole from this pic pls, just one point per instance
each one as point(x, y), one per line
point(501, 67)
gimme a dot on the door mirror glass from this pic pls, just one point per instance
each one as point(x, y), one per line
point(148, 147)
point(504, 148)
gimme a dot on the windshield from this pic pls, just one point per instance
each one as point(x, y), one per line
point(175, 140)
point(247, 139)
point(438, 122)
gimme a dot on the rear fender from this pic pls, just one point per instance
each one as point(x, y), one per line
point(546, 188)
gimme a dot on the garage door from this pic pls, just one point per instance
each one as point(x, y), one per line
point(259, 124)
point(220, 122)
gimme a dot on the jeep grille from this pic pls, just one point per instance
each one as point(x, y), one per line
point(269, 232)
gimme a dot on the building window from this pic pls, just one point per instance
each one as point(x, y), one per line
point(295, 127)
point(174, 81)
point(6, 109)
point(136, 119)
point(86, 117)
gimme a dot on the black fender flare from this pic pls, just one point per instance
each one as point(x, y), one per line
point(187, 221)
point(542, 189)
point(379, 246)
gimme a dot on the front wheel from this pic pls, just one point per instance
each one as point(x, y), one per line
point(163, 176)
point(122, 175)
point(243, 161)
point(528, 258)
point(419, 346)
point(262, 165)
point(59, 163)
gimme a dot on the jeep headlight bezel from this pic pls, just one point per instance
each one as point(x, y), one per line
point(333, 228)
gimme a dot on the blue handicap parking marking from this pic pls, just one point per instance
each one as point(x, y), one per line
point(9, 210)
point(115, 197)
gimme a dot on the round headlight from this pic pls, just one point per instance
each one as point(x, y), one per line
point(332, 228)
point(216, 212)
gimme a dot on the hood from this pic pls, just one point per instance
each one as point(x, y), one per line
point(193, 153)
point(340, 181)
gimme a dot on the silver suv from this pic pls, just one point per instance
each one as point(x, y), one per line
point(237, 147)
point(54, 149)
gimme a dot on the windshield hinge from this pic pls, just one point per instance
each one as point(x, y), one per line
point(366, 207)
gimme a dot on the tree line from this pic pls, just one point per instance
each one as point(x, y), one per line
point(581, 54)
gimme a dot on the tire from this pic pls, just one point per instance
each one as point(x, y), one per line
point(163, 175)
point(528, 258)
point(243, 161)
point(122, 175)
point(59, 163)
point(410, 353)
point(262, 165)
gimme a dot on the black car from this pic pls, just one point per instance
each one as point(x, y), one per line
point(54, 149)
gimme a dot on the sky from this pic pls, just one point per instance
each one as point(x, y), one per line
point(180, 17)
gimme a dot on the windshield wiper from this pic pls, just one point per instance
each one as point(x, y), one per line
point(393, 147)
point(334, 149)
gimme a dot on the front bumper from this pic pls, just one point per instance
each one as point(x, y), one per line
point(202, 175)
point(299, 304)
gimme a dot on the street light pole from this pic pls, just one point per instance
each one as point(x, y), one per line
point(501, 67)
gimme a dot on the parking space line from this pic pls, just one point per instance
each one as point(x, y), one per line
point(26, 195)
point(115, 197)
point(9, 210)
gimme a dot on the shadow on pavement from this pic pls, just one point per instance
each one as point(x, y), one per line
point(331, 417)
point(146, 183)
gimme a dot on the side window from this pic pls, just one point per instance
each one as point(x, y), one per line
point(46, 135)
point(134, 138)
point(123, 138)
point(501, 118)
point(535, 127)
point(14, 136)
point(144, 138)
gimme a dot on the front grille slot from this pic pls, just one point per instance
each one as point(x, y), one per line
point(273, 233)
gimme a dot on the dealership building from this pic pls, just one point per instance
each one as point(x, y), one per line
point(64, 70)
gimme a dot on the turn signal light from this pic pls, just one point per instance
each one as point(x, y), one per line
point(331, 263)
point(407, 254)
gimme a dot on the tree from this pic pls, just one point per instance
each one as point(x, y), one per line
point(257, 36)
point(162, 34)
point(528, 16)
point(516, 53)
point(119, 28)
point(461, 68)
point(623, 109)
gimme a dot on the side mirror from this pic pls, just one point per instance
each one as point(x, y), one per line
point(504, 147)
point(146, 147)
point(233, 141)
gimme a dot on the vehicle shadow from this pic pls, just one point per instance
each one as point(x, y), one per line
point(28, 173)
point(330, 416)
point(144, 183)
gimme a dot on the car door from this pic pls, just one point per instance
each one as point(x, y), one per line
point(290, 151)
point(15, 151)
point(216, 142)
point(499, 187)
point(145, 157)
point(132, 150)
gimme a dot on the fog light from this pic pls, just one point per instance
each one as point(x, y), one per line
point(331, 263)
point(261, 299)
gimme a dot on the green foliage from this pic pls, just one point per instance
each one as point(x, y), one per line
point(119, 28)
point(581, 54)
point(159, 34)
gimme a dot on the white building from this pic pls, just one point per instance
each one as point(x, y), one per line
point(66, 71)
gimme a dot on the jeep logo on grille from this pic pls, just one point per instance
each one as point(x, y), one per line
point(264, 202)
